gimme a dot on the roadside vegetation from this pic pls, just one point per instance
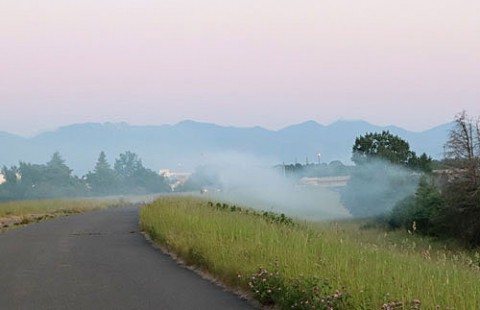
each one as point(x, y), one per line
point(16, 213)
point(446, 204)
point(391, 183)
point(307, 265)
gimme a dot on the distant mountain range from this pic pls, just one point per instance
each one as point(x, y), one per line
point(183, 146)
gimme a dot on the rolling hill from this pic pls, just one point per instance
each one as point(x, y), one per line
point(185, 145)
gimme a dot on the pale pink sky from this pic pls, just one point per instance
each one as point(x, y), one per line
point(270, 63)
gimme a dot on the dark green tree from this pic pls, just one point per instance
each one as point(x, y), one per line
point(384, 145)
point(380, 178)
point(9, 190)
point(103, 180)
point(448, 205)
point(423, 163)
point(57, 172)
point(150, 182)
point(459, 217)
point(127, 165)
point(10, 174)
point(52, 180)
point(134, 178)
point(32, 177)
point(420, 211)
point(57, 180)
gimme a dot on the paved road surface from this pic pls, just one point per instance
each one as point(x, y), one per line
point(98, 261)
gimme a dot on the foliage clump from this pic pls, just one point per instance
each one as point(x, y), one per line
point(388, 148)
point(56, 180)
point(386, 172)
point(446, 203)
point(421, 210)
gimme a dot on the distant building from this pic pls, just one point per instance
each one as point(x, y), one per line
point(335, 181)
point(175, 179)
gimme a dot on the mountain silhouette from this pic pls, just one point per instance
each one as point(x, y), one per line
point(187, 144)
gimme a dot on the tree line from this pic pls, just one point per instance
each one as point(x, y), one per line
point(445, 199)
point(56, 180)
point(310, 170)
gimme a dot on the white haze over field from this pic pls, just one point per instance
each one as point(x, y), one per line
point(376, 186)
point(256, 183)
point(253, 182)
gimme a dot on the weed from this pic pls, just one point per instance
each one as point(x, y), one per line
point(269, 216)
point(270, 288)
point(25, 220)
point(195, 257)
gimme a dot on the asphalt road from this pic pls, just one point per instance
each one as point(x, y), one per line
point(98, 260)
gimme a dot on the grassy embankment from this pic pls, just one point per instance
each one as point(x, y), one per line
point(16, 213)
point(365, 268)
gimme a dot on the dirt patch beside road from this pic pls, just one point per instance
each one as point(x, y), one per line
point(12, 221)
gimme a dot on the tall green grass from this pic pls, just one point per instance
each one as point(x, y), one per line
point(373, 270)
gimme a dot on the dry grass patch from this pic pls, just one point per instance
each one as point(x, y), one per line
point(15, 213)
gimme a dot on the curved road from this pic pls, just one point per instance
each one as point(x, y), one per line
point(98, 260)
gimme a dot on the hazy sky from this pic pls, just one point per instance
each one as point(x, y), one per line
point(237, 62)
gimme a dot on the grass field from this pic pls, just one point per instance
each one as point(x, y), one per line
point(364, 268)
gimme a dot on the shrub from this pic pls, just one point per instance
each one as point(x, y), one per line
point(421, 210)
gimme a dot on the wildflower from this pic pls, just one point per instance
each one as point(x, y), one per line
point(337, 294)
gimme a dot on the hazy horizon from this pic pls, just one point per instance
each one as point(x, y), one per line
point(239, 63)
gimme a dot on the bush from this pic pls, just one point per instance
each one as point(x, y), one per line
point(459, 217)
point(421, 211)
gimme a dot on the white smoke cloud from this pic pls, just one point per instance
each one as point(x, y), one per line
point(254, 182)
